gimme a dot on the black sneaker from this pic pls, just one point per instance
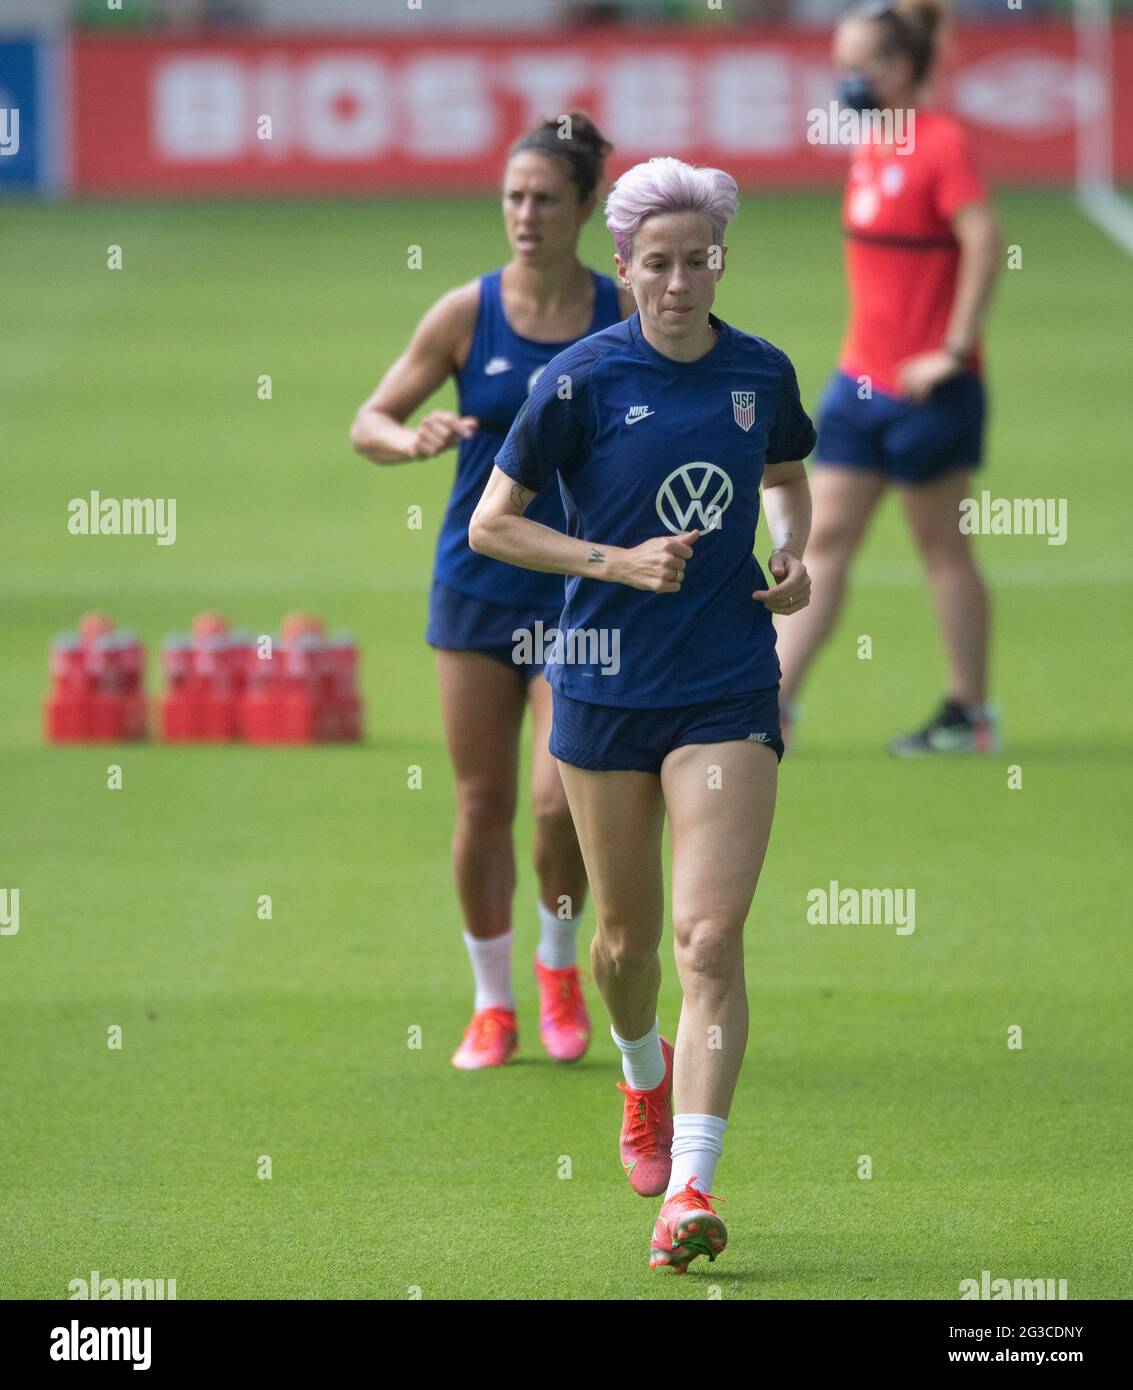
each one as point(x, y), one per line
point(952, 730)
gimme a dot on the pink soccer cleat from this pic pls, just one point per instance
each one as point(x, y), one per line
point(647, 1132)
point(489, 1041)
point(686, 1227)
point(564, 1024)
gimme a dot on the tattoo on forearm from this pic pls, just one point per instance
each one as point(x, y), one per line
point(596, 556)
point(517, 501)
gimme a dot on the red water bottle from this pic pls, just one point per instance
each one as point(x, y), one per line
point(66, 711)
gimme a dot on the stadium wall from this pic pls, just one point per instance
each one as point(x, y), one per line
point(158, 115)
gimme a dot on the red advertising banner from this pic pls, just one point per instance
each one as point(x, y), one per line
point(364, 115)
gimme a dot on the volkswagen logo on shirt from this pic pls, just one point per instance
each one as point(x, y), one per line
point(694, 496)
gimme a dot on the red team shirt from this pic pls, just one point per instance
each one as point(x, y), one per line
point(901, 254)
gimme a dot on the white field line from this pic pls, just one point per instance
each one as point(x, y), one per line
point(1098, 197)
point(1109, 211)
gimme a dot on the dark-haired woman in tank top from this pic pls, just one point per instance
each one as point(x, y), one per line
point(495, 335)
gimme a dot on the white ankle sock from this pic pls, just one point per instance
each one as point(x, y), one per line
point(558, 939)
point(698, 1142)
point(643, 1064)
point(491, 969)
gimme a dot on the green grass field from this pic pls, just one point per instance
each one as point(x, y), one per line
point(242, 1037)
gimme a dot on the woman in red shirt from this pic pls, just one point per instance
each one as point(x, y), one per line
point(906, 405)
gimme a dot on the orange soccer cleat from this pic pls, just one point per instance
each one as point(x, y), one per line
point(564, 1024)
point(490, 1040)
point(647, 1132)
point(686, 1227)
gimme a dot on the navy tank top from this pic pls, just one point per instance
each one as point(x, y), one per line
point(494, 382)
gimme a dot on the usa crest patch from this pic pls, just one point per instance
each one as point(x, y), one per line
point(743, 408)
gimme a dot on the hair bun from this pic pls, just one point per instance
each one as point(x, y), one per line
point(585, 150)
point(927, 15)
point(583, 129)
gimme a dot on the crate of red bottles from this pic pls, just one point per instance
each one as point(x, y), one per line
point(205, 673)
point(220, 684)
point(302, 687)
point(97, 690)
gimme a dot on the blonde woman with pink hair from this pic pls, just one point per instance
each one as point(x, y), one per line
point(662, 432)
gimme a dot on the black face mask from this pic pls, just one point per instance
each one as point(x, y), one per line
point(855, 93)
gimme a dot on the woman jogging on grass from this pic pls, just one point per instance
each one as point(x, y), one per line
point(662, 431)
point(495, 335)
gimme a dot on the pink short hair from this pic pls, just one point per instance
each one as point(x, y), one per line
point(664, 184)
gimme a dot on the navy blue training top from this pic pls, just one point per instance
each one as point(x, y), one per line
point(646, 446)
point(493, 384)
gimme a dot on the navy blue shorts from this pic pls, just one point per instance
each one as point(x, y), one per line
point(909, 443)
point(459, 622)
point(608, 738)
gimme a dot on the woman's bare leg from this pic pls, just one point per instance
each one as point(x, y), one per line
point(843, 500)
point(558, 859)
point(482, 705)
point(720, 799)
point(619, 818)
point(933, 512)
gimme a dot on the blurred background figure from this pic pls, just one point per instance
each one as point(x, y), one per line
point(496, 335)
point(906, 407)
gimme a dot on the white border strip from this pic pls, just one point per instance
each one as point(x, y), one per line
point(1098, 195)
point(53, 79)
